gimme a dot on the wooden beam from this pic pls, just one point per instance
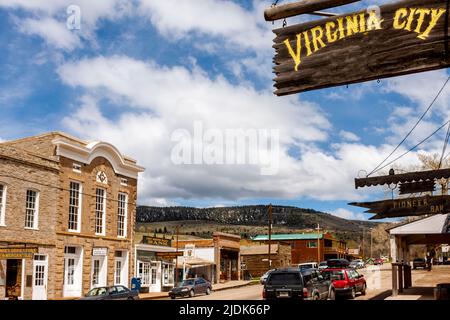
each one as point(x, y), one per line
point(302, 7)
point(403, 177)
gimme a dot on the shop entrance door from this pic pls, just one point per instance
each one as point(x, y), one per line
point(98, 272)
point(40, 266)
point(13, 278)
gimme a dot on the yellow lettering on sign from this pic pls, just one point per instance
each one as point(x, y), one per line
point(331, 37)
point(295, 55)
point(352, 24)
point(362, 22)
point(421, 12)
point(373, 21)
point(400, 13)
point(410, 18)
point(341, 28)
point(317, 34)
point(435, 15)
point(307, 43)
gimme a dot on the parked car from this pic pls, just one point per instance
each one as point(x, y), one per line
point(345, 281)
point(307, 265)
point(419, 263)
point(111, 293)
point(263, 278)
point(378, 261)
point(191, 287)
point(295, 283)
point(323, 265)
point(338, 263)
point(357, 264)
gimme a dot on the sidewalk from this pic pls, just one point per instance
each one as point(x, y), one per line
point(215, 287)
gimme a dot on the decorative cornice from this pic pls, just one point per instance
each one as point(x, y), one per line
point(86, 154)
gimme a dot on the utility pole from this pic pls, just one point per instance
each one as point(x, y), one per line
point(362, 253)
point(318, 244)
point(176, 259)
point(371, 255)
point(270, 233)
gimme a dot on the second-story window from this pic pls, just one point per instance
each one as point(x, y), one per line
point(74, 206)
point(2, 204)
point(31, 209)
point(100, 207)
point(122, 215)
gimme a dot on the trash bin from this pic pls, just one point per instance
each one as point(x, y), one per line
point(136, 284)
point(441, 292)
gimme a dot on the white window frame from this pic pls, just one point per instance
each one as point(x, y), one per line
point(3, 205)
point(36, 210)
point(76, 167)
point(103, 226)
point(125, 209)
point(79, 210)
point(124, 182)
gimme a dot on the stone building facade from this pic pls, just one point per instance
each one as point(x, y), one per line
point(84, 199)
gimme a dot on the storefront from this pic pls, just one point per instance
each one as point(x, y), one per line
point(24, 272)
point(156, 272)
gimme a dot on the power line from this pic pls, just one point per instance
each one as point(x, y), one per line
point(445, 146)
point(377, 168)
point(411, 149)
point(62, 188)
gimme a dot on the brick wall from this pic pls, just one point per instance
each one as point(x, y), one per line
point(19, 176)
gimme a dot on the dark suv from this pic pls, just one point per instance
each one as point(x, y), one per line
point(296, 284)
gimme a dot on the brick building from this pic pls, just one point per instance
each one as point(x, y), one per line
point(255, 258)
point(306, 248)
point(67, 216)
point(217, 259)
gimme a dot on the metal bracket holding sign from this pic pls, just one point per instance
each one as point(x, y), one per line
point(405, 37)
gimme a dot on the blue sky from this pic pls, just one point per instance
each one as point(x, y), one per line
point(138, 71)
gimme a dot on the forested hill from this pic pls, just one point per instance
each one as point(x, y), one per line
point(252, 215)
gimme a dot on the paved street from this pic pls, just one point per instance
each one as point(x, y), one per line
point(251, 292)
point(379, 284)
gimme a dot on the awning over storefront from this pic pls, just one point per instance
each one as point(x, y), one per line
point(194, 263)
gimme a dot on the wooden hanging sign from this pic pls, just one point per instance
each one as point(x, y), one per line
point(405, 37)
point(406, 207)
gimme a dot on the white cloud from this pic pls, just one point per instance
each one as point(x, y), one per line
point(348, 136)
point(347, 214)
point(49, 19)
point(55, 32)
point(222, 19)
point(157, 100)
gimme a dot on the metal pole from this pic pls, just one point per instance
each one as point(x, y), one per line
point(371, 255)
point(318, 244)
point(270, 233)
point(176, 260)
point(363, 251)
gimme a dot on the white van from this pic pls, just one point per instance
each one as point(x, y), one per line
point(307, 265)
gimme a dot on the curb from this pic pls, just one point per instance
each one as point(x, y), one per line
point(234, 287)
point(214, 290)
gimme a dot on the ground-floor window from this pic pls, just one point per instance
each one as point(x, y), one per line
point(154, 272)
point(144, 272)
point(168, 274)
point(118, 272)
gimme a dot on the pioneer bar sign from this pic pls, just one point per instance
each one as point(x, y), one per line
point(407, 206)
point(395, 39)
